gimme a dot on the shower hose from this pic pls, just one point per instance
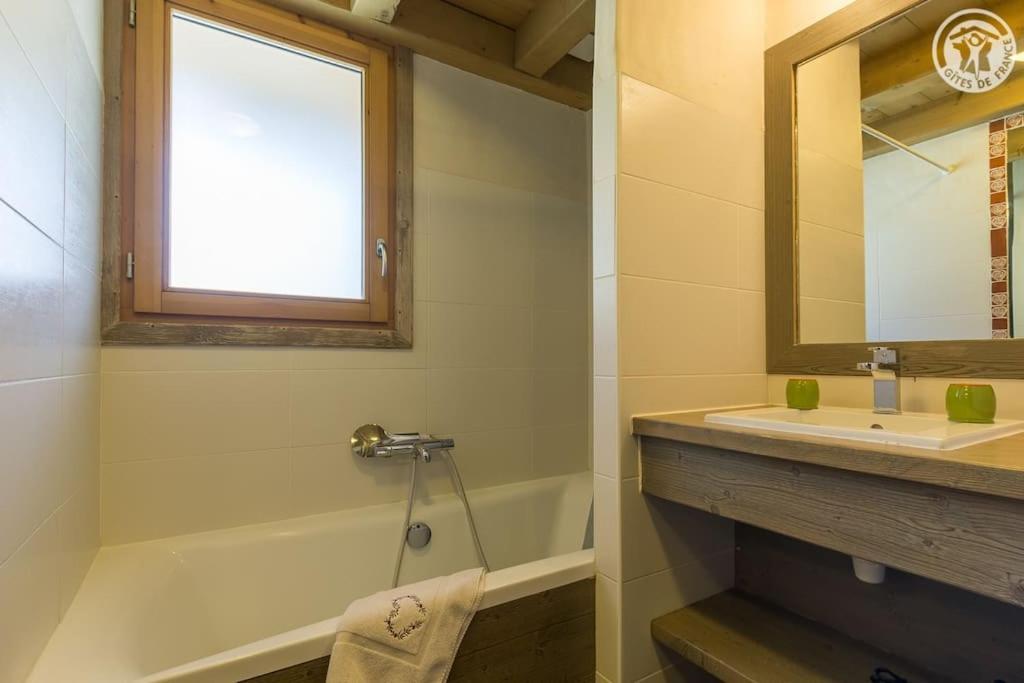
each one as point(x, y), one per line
point(460, 491)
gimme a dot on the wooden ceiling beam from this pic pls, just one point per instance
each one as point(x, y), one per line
point(450, 34)
point(549, 31)
point(949, 114)
point(381, 10)
point(911, 61)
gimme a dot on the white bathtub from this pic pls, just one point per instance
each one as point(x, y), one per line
point(228, 605)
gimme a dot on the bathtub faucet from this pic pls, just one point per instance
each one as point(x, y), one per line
point(373, 441)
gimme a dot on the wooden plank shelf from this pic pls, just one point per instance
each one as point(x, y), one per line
point(740, 639)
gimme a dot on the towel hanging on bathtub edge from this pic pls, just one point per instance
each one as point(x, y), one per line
point(408, 634)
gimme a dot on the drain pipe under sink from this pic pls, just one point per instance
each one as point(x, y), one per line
point(868, 571)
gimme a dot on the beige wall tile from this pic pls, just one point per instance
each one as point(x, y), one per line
point(478, 336)
point(309, 358)
point(28, 586)
point(156, 498)
point(187, 358)
point(30, 468)
point(651, 596)
point(675, 234)
point(176, 414)
point(479, 399)
point(750, 254)
point(658, 129)
point(561, 338)
point(81, 330)
point(697, 68)
point(824, 321)
point(327, 478)
point(560, 449)
point(669, 328)
point(30, 299)
point(457, 273)
point(830, 193)
point(660, 535)
point(559, 397)
point(831, 264)
point(493, 458)
point(31, 142)
point(328, 405)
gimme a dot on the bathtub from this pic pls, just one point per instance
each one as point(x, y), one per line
point(232, 604)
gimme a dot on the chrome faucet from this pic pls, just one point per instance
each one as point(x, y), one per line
point(885, 377)
point(373, 441)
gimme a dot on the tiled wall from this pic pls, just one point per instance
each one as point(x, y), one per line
point(830, 188)
point(199, 438)
point(50, 153)
point(678, 290)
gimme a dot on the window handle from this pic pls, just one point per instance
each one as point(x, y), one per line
point(382, 254)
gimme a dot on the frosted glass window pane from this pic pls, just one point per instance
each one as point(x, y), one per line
point(266, 167)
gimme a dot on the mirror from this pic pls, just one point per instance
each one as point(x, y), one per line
point(909, 153)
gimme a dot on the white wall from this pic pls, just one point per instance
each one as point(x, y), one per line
point(927, 235)
point(198, 438)
point(50, 158)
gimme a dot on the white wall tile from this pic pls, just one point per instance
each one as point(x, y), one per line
point(30, 475)
point(31, 142)
point(30, 300)
point(31, 609)
point(80, 348)
point(83, 206)
point(43, 30)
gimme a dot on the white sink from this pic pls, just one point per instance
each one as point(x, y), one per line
point(921, 430)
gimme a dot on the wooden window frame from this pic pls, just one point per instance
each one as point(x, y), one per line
point(143, 309)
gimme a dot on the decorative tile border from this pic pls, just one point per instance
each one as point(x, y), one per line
point(998, 209)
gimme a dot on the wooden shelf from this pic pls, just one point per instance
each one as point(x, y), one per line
point(740, 639)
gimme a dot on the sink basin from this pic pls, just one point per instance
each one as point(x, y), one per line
point(920, 430)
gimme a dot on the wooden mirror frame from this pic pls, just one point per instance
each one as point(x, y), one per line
point(995, 358)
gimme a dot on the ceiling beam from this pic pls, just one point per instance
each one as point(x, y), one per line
point(911, 60)
point(949, 114)
point(380, 10)
point(549, 31)
point(449, 34)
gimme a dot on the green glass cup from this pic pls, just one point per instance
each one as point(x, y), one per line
point(802, 394)
point(971, 403)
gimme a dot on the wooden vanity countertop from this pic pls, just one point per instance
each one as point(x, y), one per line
point(995, 467)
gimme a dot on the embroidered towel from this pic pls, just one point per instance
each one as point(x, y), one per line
point(408, 634)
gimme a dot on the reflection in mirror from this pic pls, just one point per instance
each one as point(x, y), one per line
point(910, 179)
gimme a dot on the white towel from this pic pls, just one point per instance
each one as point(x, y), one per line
point(408, 634)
